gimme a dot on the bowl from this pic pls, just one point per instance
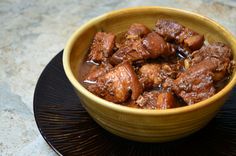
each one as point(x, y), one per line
point(139, 124)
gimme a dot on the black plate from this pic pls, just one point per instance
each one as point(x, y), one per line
point(69, 130)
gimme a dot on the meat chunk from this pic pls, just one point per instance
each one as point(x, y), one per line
point(216, 50)
point(156, 100)
point(131, 50)
point(118, 84)
point(153, 75)
point(173, 31)
point(97, 71)
point(217, 53)
point(190, 39)
point(165, 101)
point(151, 46)
point(150, 75)
point(157, 46)
point(210, 63)
point(194, 42)
point(163, 68)
point(137, 30)
point(196, 83)
point(102, 46)
point(168, 29)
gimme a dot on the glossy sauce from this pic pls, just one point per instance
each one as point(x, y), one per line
point(168, 63)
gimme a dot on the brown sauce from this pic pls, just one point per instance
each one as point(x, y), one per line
point(167, 74)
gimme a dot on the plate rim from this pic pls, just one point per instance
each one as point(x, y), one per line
point(34, 103)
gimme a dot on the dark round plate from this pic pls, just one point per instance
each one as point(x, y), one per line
point(69, 130)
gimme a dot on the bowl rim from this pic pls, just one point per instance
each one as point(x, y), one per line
point(125, 109)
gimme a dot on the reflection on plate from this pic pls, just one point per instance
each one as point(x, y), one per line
point(69, 130)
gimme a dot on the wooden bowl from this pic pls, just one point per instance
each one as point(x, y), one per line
point(138, 124)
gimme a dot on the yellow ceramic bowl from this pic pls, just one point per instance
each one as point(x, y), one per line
point(138, 124)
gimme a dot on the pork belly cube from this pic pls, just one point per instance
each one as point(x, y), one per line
point(215, 50)
point(168, 29)
point(118, 85)
point(137, 30)
point(130, 45)
point(150, 46)
point(102, 46)
point(156, 100)
point(157, 46)
point(190, 39)
point(196, 83)
point(153, 75)
point(131, 50)
point(97, 71)
point(173, 31)
point(150, 75)
point(217, 53)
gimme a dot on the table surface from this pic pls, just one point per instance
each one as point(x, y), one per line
point(32, 32)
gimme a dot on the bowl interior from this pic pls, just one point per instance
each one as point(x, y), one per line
point(118, 21)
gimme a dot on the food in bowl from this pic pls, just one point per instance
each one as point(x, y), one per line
point(167, 67)
point(145, 125)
